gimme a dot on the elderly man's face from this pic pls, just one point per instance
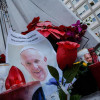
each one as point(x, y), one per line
point(35, 63)
point(88, 58)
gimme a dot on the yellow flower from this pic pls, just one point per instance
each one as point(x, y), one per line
point(77, 62)
point(84, 64)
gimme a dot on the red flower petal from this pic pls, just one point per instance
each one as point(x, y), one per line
point(56, 31)
point(44, 32)
point(68, 44)
point(33, 23)
point(56, 35)
point(66, 53)
point(47, 32)
point(62, 28)
point(15, 78)
point(46, 23)
point(26, 32)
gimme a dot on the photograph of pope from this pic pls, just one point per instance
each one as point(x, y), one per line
point(34, 62)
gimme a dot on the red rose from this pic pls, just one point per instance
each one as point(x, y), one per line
point(66, 53)
point(15, 78)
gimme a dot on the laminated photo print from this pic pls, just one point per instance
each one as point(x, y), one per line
point(88, 56)
point(29, 55)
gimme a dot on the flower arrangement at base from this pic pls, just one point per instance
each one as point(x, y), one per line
point(72, 33)
point(65, 40)
point(78, 78)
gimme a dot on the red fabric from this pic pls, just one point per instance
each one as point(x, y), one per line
point(95, 69)
point(15, 78)
point(66, 53)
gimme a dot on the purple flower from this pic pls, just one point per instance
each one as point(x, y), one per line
point(78, 25)
point(69, 33)
point(79, 29)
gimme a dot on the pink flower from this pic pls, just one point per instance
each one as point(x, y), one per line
point(78, 25)
point(66, 53)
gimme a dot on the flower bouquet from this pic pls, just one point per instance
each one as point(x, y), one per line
point(54, 34)
point(65, 40)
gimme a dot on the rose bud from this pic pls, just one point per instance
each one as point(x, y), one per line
point(66, 53)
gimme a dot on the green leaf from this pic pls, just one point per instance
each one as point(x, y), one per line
point(75, 97)
point(70, 73)
point(53, 71)
point(62, 95)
